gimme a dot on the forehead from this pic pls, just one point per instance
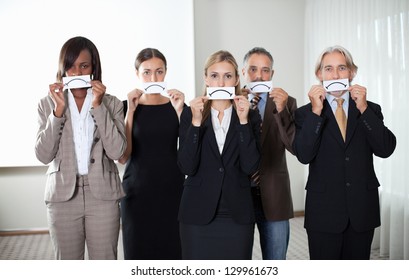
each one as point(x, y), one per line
point(84, 56)
point(223, 66)
point(334, 58)
point(152, 63)
point(258, 59)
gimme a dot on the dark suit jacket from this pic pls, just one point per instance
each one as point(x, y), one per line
point(277, 135)
point(210, 173)
point(342, 185)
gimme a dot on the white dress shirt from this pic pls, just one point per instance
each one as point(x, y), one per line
point(83, 129)
point(331, 100)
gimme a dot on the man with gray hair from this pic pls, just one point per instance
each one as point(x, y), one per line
point(271, 184)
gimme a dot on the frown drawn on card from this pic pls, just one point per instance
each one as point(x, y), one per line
point(336, 85)
point(258, 87)
point(220, 92)
point(72, 82)
point(154, 87)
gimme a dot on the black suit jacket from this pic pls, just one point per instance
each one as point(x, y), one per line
point(210, 173)
point(342, 185)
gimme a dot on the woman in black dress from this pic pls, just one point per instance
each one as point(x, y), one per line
point(218, 151)
point(152, 180)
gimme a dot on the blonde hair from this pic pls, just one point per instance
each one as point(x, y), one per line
point(219, 56)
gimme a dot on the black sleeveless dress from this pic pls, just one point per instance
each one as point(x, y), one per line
point(153, 185)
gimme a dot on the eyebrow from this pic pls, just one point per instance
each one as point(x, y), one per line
point(149, 69)
point(334, 65)
point(263, 67)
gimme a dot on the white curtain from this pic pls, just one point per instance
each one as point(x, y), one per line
point(376, 32)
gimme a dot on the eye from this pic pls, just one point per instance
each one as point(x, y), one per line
point(84, 66)
point(213, 76)
point(328, 69)
point(342, 68)
point(146, 72)
point(229, 76)
point(160, 72)
point(252, 70)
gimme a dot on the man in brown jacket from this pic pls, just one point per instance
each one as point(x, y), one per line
point(271, 184)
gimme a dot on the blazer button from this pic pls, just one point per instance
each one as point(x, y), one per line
point(221, 169)
point(92, 160)
point(348, 184)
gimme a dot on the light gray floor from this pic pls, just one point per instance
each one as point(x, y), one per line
point(38, 246)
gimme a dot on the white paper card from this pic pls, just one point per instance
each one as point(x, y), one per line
point(221, 92)
point(83, 81)
point(336, 85)
point(256, 87)
point(155, 87)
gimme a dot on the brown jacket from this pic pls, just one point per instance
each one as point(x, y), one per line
point(277, 135)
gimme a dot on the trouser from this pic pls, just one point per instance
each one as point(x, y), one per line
point(347, 245)
point(84, 219)
point(274, 235)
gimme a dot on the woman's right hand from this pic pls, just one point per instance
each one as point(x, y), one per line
point(133, 99)
point(56, 92)
point(197, 106)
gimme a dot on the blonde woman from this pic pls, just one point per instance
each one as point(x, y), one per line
point(218, 151)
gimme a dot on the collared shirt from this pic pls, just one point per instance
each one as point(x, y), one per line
point(83, 130)
point(331, 100)
point(261, 104)
point(221, 129)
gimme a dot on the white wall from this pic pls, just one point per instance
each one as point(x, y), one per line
point(277, 25)
point(31, 42)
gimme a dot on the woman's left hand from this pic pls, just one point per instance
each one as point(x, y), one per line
point(177, 98)
point(242, 108)
point(98, 90)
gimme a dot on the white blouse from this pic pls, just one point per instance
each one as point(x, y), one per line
point(221, 129)
point(83, 129)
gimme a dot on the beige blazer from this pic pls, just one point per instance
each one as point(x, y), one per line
point(55, 146)
point(277, 136)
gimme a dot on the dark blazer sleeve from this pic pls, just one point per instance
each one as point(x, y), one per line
point(285, 121)
point(249, 143)
point(189, 144)
point(309, 128)
point(379, 137)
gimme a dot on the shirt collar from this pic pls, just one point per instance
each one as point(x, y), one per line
point(330, 98)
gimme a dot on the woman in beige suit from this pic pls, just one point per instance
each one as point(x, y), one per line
point(81, 132)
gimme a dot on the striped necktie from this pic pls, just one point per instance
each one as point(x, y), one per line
point(254, 102)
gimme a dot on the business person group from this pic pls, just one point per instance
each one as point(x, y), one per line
point(200, 174)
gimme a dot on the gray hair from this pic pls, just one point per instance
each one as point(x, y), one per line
point(258, 50)
point(348, 58)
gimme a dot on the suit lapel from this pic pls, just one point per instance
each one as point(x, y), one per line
point(352, 121)
point(212, 137)
point(333, 125)
point(232, 128)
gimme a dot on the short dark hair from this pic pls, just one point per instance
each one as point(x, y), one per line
point(258, 50)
